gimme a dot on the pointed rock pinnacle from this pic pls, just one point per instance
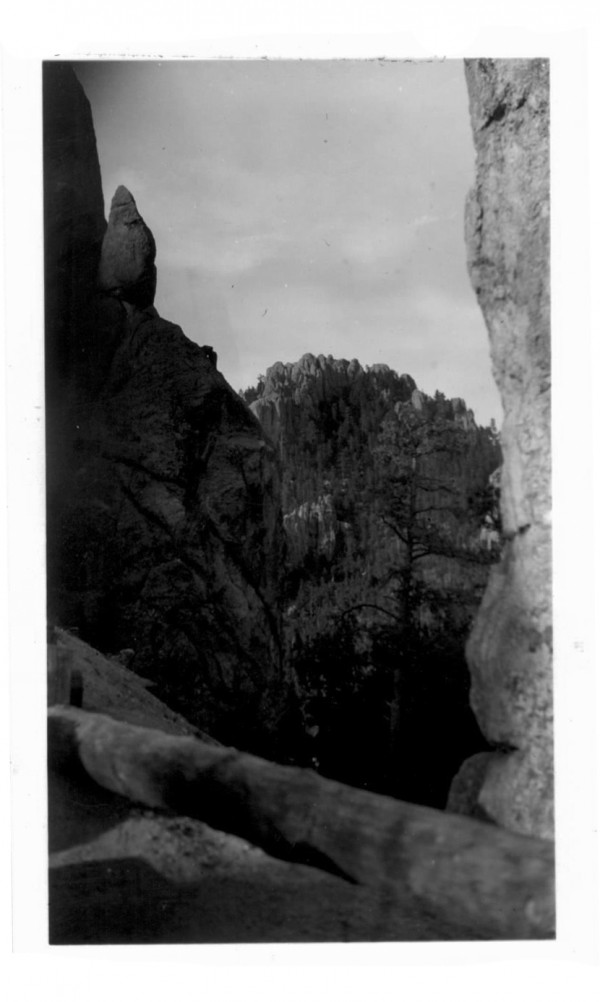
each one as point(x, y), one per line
point(127, 268)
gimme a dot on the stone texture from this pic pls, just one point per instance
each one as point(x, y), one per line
point(463, 796)
point(507, 233)
point(318, 520)
point(164, 527)
point(127, 268)
point(171, 535)
point(292, 393)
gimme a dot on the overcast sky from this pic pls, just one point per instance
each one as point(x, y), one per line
point(303, 206)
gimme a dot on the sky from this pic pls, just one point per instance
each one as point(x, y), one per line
point(304, 206)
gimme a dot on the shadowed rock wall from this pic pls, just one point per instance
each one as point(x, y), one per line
point(508, 233)
point(164, 524)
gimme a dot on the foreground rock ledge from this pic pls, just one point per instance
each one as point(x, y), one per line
point(462, 870)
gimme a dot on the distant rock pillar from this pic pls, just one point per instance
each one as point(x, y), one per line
point(507, 232)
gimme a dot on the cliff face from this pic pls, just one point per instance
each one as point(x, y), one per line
point(507, 230)
point(164, 522)
point(326, 417)
point(292, 400)
point(339, 432)
point(386, 567)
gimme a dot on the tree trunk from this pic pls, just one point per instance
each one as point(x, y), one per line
point(402, 667)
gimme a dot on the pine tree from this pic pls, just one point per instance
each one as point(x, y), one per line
point(420, 502)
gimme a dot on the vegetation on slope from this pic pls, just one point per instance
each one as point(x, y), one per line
point(391, 525)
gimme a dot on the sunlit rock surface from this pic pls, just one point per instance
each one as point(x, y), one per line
point(508, 232)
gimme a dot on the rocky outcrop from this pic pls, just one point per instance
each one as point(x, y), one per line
point(127, 268)
point(318, 522)
point(305, 384)
point(352, 442)
point(462, 415)
point(326, 417)
point(507, 231)
point(463, 795)
point(461, 870)
point(291, 398)
point(164, 525)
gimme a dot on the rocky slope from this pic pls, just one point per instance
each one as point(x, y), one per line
point(164, 523)
point(508, 233)
point(121, 873)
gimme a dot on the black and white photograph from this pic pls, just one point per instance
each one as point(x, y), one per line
point(298, 500)
point(299, 574)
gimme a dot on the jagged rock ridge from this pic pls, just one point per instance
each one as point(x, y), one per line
point(337, 426)
point(315, 380)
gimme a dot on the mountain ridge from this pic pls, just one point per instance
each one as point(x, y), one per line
point(351, 441)
point(318, 377)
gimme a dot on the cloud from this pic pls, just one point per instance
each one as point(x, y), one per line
point(303, 206)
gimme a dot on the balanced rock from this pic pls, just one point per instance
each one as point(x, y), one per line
point(164, 527)
point(127, 268)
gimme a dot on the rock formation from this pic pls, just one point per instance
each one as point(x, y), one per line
point(127, 270)
point(317, 519)
point(164, 525)
point(344, 437)
point(291, 398)
point(77, 350)
point(507, 232)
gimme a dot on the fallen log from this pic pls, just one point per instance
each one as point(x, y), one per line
point(473, 874)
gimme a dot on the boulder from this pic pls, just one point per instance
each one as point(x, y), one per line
point(463, 796)
point(508, 232)
point(127, 268)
